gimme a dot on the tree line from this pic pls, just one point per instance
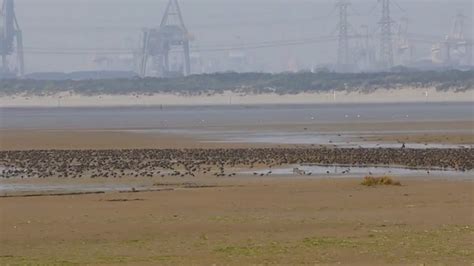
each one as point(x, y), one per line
point(248, 83)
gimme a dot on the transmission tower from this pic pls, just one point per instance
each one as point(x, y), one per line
point(158, 43)
point(10, 35)
point(343, 57)
point(386, 44)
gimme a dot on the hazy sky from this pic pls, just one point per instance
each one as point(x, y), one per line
point(76, 31)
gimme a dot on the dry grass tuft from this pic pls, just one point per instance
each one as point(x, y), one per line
point(371, 181)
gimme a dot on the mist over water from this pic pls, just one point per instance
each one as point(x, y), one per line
point(68, 35)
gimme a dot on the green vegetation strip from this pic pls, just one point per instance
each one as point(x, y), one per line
point(247, 83)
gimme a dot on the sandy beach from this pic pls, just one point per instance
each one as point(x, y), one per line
point(229, 98)
point(237, 219)
point(227, 132)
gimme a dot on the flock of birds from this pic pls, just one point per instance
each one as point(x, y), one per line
point(217, 162)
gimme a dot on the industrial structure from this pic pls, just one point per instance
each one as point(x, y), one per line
point(165, 50)
point(158, 44)
point(404, 46)
point(11, 41)
point(456, 49)
point(343, 57)
point(386, 42)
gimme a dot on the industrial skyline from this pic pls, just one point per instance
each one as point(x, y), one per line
point(341, 35)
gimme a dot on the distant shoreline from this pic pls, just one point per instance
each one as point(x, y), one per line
point(403, 95)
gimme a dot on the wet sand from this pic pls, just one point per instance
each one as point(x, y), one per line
point(71, 139)
point(425, 138)
point(445, 132)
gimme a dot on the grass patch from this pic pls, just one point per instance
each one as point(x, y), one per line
point(394, 244)
point(329, 242)
point(19, 260)
point(442, 245)
point(253, 250)
point(241, 250)
point(371, 181)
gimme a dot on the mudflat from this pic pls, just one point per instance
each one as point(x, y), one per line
point(246, 221)
point(238, 220)
point(445, 132)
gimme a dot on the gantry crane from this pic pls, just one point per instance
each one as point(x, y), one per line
point(159, 42)
point(11, 40)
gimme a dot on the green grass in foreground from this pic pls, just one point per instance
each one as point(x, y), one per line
point(449, 244)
